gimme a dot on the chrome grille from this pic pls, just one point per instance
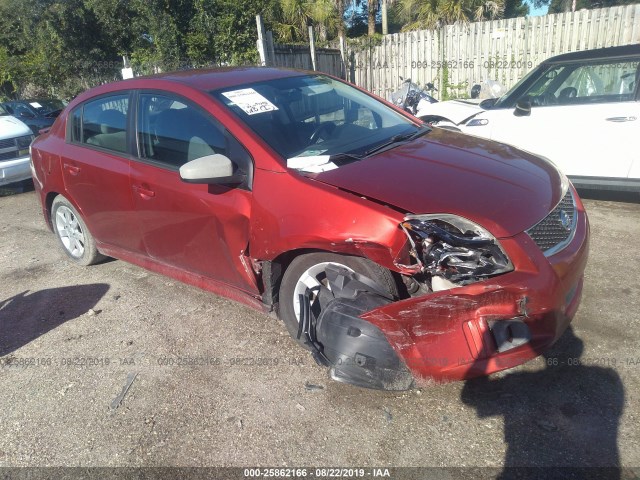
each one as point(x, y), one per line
point(556, 230)
point(10, 147)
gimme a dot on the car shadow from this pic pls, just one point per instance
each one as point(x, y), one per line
point(16, 188)
point(28, 315)
point(560, 421)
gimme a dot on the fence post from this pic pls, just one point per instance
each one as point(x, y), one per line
point(385, 28)
point(312, 46)
point(342, 57)
point(270, 50)
point(262, 47)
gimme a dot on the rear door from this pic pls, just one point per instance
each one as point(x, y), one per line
point(202, 229)
point(95, 165)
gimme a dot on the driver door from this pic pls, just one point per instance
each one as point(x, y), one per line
point(198, 228)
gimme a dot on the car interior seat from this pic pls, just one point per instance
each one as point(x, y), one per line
point(182, 135)
point(113, 131)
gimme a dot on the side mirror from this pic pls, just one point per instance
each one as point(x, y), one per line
point(26, 114)
point(487, 103)
point(216, 169)
point(523, 107)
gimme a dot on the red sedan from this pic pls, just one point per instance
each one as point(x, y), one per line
point(397, 254)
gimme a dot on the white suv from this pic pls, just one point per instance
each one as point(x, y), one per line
point(581, 110)
point(15, 138)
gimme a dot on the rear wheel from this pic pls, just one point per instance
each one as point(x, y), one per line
point(308, 272)
point(73, 234)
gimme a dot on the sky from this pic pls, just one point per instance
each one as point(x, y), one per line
point(536, 12)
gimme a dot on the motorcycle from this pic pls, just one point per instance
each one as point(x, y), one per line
point(411, 98)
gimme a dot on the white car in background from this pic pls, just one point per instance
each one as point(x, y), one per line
point(581, 110)
point(15, 138)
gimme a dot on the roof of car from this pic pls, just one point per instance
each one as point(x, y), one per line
point(212, 79)
point(597, 54)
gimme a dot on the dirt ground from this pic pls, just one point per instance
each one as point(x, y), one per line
point(111, 365)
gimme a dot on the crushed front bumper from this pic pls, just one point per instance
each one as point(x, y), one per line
point(460, 333)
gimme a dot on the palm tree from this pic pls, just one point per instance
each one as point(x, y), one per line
point(298, 15)
point(434, 13)
point(372, 6)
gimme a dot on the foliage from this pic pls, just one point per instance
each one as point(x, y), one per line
point(61, 47)
point(435, 13)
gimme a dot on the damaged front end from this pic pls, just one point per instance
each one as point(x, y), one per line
point(478, 310)
point(356, 351)
point(451, 251)
point(445, 251)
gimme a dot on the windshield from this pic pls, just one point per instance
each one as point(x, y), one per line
point(315, 116)
point(3, 111)
point(509, 98)
point(44, 107)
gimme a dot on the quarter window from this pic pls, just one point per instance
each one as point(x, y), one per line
point(75, 125)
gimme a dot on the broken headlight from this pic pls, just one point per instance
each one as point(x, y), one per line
point(454, 248)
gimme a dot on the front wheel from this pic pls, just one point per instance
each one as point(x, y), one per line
point(73, 234)
point(308, 272)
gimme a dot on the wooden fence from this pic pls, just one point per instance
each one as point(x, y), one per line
point(328, 60)
point(457, 56)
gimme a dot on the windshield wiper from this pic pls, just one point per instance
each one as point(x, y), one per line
point(344, 156)
point(399, 138)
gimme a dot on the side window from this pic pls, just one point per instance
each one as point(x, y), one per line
point(104, 123)
point(173, 133)
point(23, 109)
point(607, 82)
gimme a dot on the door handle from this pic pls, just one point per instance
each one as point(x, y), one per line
point(621, 119)
point(72, 169)
point(144, 192)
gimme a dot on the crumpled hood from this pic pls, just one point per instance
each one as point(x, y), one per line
point(503, 189)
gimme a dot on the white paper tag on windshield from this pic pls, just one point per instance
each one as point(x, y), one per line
point(250, 101)
point(312, 163)
point(35, 105)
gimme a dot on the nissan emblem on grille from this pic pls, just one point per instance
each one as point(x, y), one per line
point(555, 231)
point(565, 220)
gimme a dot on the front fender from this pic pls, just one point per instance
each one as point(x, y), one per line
point(292, 212)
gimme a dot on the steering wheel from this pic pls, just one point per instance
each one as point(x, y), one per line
point(568, 92)
point(316, 136)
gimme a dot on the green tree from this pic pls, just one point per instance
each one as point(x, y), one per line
point(61, 47)
point(434, 13)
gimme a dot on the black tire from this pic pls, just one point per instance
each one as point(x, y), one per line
point(303, 263)
point(72, 233)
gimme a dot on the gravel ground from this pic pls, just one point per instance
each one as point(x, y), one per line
point(111, 365)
